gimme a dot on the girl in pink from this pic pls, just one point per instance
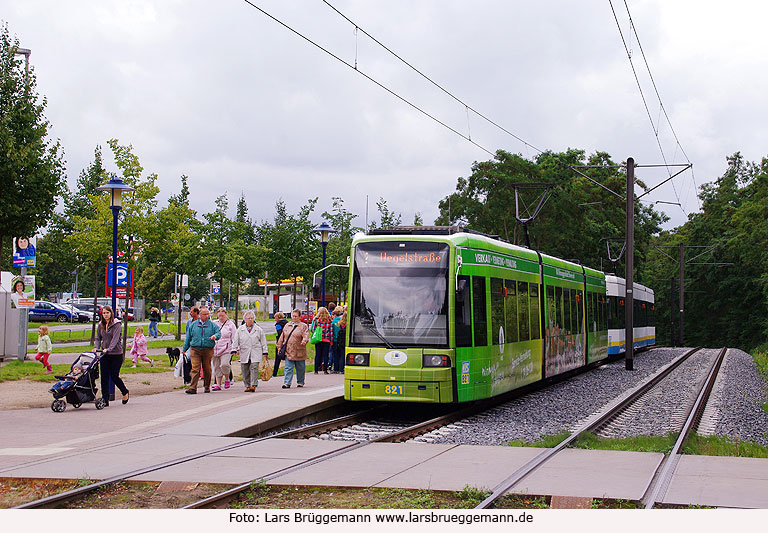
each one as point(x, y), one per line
point(139, 348)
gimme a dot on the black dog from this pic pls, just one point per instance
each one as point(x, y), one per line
point(173, 355)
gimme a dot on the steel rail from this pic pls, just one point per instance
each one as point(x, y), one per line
point(610, 412)
point(398, 436)
point(224, 497)
point(56, 499)
point(654, 494)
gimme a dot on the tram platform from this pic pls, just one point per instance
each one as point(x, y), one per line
point(89, 444)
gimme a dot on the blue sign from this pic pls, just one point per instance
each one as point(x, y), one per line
point(123, 277)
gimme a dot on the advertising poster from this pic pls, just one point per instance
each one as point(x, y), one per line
point(25, 252)
point(22, 292)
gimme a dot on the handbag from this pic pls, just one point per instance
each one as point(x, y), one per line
point(317, 335)
point(280, 355)
point(265, 369)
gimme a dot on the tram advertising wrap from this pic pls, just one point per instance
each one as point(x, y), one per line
point(441, 315)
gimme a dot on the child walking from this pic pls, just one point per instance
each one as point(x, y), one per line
point(44, 348)
point(139, 348)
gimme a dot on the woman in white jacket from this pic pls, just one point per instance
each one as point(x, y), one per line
point(251, 343)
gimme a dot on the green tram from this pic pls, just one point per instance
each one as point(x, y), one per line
point(444, 314)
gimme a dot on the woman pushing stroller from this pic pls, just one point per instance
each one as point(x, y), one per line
point(109, 341)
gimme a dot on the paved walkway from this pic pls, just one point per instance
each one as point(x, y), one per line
point(86, 443)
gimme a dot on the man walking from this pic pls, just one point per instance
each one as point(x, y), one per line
point(201, 337)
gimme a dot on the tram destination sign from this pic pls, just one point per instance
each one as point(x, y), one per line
point(418, 259)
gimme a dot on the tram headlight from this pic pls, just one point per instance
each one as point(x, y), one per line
point(436, 361)
point(358, 359)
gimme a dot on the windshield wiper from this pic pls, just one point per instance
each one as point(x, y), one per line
point(379, 335)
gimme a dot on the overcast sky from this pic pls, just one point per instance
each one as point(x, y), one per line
point(222, 93)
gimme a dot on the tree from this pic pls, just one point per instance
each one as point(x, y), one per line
point(340, 244)
point(92, 236)
point(576, 218)
point(387, 218)
point(56, 258)
point(31, 166)
point(294, 247)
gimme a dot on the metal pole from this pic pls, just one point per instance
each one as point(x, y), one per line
point(323, 298)
point(629, 265)
point(682, 292)
point(671, 314)
point(23, 324)
point(113, 286)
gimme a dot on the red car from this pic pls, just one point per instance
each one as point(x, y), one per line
point(307, 319)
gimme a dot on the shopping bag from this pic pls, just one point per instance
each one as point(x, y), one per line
point(265, 369)
point(317, 335)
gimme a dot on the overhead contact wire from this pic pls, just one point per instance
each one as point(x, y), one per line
point(369, 78)
point(430, 80)
point(642, 96)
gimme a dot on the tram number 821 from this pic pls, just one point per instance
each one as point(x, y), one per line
point(393, 389)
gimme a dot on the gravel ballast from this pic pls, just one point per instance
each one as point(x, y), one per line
point(562, 406)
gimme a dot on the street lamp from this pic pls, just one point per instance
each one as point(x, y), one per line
point(325, 233)
point(116, 187)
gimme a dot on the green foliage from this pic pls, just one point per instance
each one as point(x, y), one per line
point(472, 496)
point(339, 245)
point(760, 356)
point(640, 443)
point(295, 249)
point(31, 165)
point(723, 446)
point(546, 441)
point(724, 305)
point(387, 218)
point(485, 201)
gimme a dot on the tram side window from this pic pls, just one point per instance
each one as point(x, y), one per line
point(605, 310)
point(478, 311)
point(567, 324)
point(522, 298)
point(559, 308)
point(551, 310)
point(510, 311)
point(579, 311)
point(593, 314)
point(463, 313)
point(497, 310)
point(533, 292)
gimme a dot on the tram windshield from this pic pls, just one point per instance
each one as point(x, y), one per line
point(399, 294)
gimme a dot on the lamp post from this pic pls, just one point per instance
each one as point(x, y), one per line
point(116, 187)
point(325, 233)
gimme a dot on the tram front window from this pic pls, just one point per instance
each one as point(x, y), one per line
point(399, 294)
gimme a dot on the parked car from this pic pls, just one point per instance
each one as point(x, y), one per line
point(88, 308)
point(78, 315)
point(307, 319)
point(49, 312)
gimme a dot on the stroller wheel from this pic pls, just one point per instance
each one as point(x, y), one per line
point(76, 405)
point(58, 406)
point(100, 404)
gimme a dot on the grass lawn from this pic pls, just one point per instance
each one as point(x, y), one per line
point(695, 445)
point(67, 335)
point(34, 371)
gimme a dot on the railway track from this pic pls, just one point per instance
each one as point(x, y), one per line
point(362, 427)
point(612, 414)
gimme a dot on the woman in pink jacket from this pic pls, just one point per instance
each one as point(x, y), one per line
point(222, 355)
point(139, 348)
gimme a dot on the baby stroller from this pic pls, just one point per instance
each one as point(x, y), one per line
point(78, 385)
